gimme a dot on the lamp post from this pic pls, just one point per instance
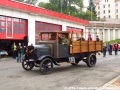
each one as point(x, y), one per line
point(61, 6)
point(91, 11)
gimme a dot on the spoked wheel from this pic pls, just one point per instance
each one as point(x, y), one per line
point(46, 66)
point(91, 60)
point(27, 65)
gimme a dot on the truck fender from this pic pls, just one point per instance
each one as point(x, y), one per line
point(48, 56)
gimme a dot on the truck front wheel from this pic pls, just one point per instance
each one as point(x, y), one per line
point(46, 66)
point(27, 65)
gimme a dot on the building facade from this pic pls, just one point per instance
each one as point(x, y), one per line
point(107, 9)
point(19, 20)
point(117, 9)
point(106, 30)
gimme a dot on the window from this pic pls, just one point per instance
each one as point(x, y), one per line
point(109, 16)
point(2, 23)
point(22, 20)
point(98, 12)
point(116, 10)
point(98, 7)
point(9, 30)
point(9, 24)
point(109, 5)
point(2, 18)
point(104, 11)
point(22, 25)
point(2, 29)
point(116, 5)
point(98, 18)
point(104, 17)
point(43, 26)
point(16, 20)
point(116, 16)
point(108, 11)
point(9, 19)
point(19, 26)
point(103, 6)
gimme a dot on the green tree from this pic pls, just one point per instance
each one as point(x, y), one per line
point(84, 15)
point(49, 6)
point(91, 8)
point(32, 2)
point(70, 7)
point(20, 0)
point(79, 4)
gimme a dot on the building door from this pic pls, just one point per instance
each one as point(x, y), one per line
point(13, 28)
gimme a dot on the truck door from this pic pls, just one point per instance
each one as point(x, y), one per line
point(63, 50)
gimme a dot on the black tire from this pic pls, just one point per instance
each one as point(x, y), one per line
point(91, 60)
point(27, 65)
point(46, 66)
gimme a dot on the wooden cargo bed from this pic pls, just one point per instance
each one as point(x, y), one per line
point(85, 46)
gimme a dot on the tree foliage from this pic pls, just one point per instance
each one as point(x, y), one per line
point(20, 0)
point(91, 8)
point(32, 2)
point(70, 7)
point(49, 6)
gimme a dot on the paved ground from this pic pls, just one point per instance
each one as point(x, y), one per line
point(65, 77)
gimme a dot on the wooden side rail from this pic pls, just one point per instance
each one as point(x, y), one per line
point(85, 46)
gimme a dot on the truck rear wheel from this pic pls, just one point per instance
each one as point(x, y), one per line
point(91, 60)
point(46, 66)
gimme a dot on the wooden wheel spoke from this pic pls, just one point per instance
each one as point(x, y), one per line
point(91, 60)
point(27, 65)
point(46, 66)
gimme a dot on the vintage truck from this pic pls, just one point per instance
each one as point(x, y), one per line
point(52, 52)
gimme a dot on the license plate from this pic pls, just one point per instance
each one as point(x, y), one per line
point(72, 59)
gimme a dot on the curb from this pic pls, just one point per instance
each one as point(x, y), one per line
point(4, 59)
point(111, 85)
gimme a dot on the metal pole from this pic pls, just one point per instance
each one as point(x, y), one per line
point(61, 6)
point(91, 13)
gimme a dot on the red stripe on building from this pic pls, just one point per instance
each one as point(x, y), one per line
point(38, 10)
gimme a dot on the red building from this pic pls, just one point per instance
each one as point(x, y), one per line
point(18, 20)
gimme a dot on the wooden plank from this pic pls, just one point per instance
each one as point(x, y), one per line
point(98, 47)
point(92, 42)
point(76, 43)
point(71, 50)
point(84, 48)
point(76, 49)
point(84, 43)
point(51, 49)
point(92, 47)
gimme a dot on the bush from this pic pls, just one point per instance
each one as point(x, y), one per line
point(112, 41)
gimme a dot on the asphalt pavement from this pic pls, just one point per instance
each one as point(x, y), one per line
point(113, 84)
